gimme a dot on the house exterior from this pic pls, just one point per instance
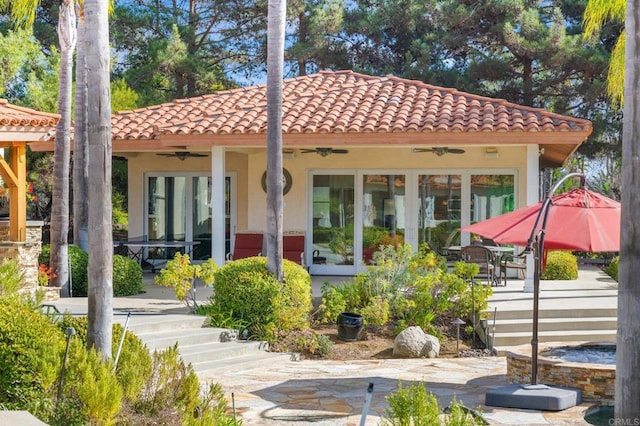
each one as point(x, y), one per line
point(368, 161)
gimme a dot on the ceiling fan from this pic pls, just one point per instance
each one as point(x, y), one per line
point(324, 151)
point(182, 155)
point(440, 151)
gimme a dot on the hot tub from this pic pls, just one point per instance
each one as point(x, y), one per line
point(595, 380)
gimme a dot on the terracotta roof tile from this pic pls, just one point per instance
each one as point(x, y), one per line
point(13, 115)
point(338, 102)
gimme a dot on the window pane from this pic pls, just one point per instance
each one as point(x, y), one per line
point(333, 216)
point(383, 212)
point(439, 210)
point(491, 195)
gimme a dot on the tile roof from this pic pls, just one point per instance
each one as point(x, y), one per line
point(16, 116)
point(342, 102)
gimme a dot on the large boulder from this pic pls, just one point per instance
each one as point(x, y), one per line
point(413, 342)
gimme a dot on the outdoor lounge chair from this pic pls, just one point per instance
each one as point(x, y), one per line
point(246, 245)
point(512, 261)
point(484, 258)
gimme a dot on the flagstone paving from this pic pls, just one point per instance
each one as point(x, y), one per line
point(321, 392)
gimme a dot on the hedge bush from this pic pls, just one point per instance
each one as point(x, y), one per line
point(127, 273)
point(79, 261)
point(30, 358)
point(245, 291)
point(127, 276)
point(561, 265)
point(612, 268)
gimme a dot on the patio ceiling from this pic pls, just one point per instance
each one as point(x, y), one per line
point(347, 109)
point(18, 126)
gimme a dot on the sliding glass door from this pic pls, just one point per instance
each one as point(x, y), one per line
point(179, 209)
point(333, 208)
point(439, 210)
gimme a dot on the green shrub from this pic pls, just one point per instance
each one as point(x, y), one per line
point(612, 268)
point(561, 265)
point(172, 396)
point(412, 406)
point(79, 261)
point(127, 276)
point(408, 288)
point(245, 289)
point(180, 274)
point(92, 385)
point(30, 358)
point(11, 277)
point(134, 363)
point(415, 406)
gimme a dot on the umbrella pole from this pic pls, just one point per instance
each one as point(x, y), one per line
point(536, 292)
point(536, 243)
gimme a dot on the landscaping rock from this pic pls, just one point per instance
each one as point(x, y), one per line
point(229, 336)
point(431, 348)
point(413, 342)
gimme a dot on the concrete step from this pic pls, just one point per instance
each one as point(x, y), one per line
point(556, 324)
point(200, 346)
point(141, 324)
point(552, 313)
point(209, 370)
point(520, 338)
point(165, 339)
point(219, 351)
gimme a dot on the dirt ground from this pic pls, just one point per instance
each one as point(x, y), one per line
point(373, 343)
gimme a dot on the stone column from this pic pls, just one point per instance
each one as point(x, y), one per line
point(26, 252)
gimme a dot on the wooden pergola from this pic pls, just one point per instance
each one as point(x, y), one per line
point(18, 127)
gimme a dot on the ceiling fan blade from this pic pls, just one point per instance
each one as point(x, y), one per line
point(422, 150)
point(455, 151)
point(307, 150)
point(340, 151)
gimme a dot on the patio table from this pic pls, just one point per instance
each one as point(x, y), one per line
point(144, 252)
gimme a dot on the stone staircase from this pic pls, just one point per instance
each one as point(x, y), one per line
point(199, 345)
point(514, 326)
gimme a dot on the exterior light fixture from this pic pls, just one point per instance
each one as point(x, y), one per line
point(491, 152)
point(458, 322)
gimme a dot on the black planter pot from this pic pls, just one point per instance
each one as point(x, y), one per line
point(349, 326)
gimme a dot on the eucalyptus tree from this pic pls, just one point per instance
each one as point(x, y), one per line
point(100, 291)
point(275, 60)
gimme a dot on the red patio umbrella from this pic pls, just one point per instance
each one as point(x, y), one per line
point(577, 220)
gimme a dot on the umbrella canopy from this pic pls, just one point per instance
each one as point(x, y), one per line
point(578, 220)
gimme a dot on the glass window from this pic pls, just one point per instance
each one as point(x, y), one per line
point(333, 218)
point(383, 219)
point(439, 210)
point(491, 195)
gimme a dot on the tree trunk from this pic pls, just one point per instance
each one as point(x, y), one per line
point(275, 60)
point(59, 261)
point(627, 394)
point(80, 159)
point(99, 142)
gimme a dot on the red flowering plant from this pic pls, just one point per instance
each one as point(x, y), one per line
point(44, 275)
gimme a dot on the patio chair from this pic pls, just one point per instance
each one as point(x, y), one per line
point(293, 248)
point(484, 258)
point(512, 261)
point(246, 245)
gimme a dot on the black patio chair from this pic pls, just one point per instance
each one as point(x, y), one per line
point(484, 258)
